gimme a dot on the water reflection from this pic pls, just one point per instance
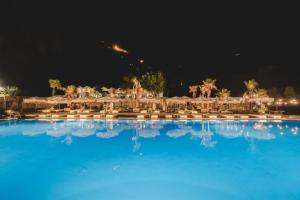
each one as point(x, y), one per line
point(206, 132)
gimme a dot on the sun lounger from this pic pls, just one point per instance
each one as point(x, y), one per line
point(140, 116)
point(154, 116)
point(156, 111)
point(135, 110)
point(260, 116)
point(114, 111)
point(73, 111)
point(167, 116)
point(197, 116)
point(109, 116)
point(97, 116)
point(86, 111)
point(84, 116)
point(244, 116)
point(55, 116)
point(229, 116)
point(212, 116)
point(71, 116)
point(275, 116)
point(143, 112)
point(41, 116)
point(182, 116)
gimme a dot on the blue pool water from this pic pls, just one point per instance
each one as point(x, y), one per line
point(141, 160)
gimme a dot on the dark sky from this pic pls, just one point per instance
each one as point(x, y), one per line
point(187, 42)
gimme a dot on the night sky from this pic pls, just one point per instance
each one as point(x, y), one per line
point(189, 43)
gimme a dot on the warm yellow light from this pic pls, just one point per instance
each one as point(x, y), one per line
point(119, 49)
point(294, 102)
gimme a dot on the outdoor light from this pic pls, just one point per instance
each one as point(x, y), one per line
point(294, 102)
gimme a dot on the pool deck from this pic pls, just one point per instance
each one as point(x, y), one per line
point(157, 116)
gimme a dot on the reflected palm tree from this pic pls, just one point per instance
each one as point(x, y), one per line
point(206, 139)
point(135, 140)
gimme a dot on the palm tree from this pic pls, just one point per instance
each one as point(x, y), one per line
point(54, 84)
point(223, 93)
point(207, 86)
point(70, 91)
point(8, 91)
point(193, 90)
point(251, 86)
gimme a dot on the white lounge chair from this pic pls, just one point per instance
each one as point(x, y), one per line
point(140, 116)
point(229, 116)
point(109, 116)
point(212, 116)
point(84, 116)
point(56, 116)
point(261, 116)
point(182, 116)
point(96, 116)
point(244, 117)
point(180, 112)
point(168, 116)
point(42, 116)
point(197, 116)
point(71, 116)
point(154, 116)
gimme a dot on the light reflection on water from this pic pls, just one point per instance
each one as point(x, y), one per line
point(205, 131)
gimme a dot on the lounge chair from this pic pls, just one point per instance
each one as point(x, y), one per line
point(180, 112)
point(84, 116)
point(140, 116)
point(244, 117)
point(156, 112)
point(97, 116)
point(109, 116)
point(73, 111)
point(182, 116)
point(154, 116)
point(168, 116)
point(135, 110)
point(42, 116)
point(275, 116)
point(55, 116)
point(143, 112)
point(260, 116)
point(197, 116)
point(228, 116)
point(71, 116)
point(114, 111)
point(212, 116)
point(46, 111)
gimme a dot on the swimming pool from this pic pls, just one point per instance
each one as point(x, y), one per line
point(127, 159)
